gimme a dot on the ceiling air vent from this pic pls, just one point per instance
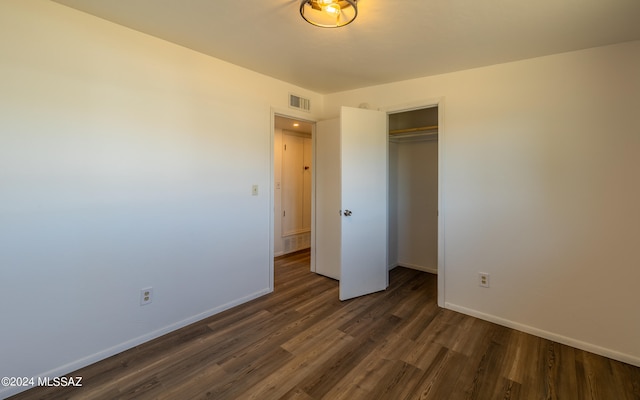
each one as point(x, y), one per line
point(299, 103)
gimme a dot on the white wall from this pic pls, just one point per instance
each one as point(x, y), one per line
point(414, 209)
point(540, 189)
point(392, 247)
point(125, 162)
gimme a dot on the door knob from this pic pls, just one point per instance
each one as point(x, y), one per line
point(347, 213)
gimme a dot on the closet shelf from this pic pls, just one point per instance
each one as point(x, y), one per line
point(425, 129)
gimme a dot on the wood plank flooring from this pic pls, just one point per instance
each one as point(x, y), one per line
point(301, 342)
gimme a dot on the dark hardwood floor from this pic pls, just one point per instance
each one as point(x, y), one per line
point(301, 342)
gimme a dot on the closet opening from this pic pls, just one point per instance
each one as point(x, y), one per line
point(413, 189)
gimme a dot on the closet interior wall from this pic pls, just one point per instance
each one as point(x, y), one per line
point(413, 189)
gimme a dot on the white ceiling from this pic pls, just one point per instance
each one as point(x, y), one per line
point(389, 41)
point(293, 125)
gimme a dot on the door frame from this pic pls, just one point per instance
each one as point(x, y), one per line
point(291, 114)
point(417, 105)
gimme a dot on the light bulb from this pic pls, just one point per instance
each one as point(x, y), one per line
point(333, 9)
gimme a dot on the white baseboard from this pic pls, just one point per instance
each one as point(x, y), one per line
point(101, 355)
point(431, 270)
point(616, 355)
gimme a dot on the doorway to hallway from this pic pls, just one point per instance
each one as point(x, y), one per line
point(293, 180)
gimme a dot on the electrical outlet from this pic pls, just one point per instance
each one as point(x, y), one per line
point(483, 279)
point(146, 296)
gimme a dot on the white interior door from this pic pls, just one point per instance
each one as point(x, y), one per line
point(327, 198)
point(292, 185)
point(363, 155)
point(351, 174)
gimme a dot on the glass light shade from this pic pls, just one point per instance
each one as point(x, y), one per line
point(329, 13)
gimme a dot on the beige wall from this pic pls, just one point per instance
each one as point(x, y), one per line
point(540, 173)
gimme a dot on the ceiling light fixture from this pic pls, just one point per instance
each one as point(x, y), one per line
point(329, 13)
